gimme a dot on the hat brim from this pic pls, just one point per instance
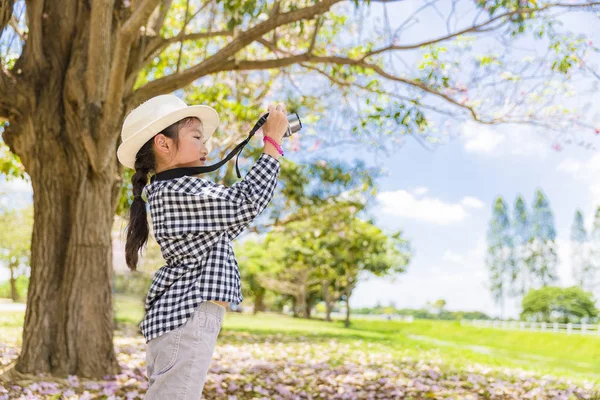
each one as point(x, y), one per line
point(129, 148)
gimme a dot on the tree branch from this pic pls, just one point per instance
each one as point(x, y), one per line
point(273, 47)
point(171, 83)
point(157, 18)
point(98, 68)
point(479, 28)
point(6, 91)
point(187, 9)
point(15, 25)
point(33, 53)
point(113, 105)
point(315, 33)
point(6, 11)
point(284, 62)
point(158, 44)
point(120, 59)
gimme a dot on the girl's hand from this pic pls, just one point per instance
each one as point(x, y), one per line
point(277, 123)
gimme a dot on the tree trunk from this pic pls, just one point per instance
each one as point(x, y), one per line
point(326, 299)
point(69, 317)
point(294, 311)
point(259, 301)
point(14, 295)
point(301, 300)
point(307, 307)
point(347, 321)
point(329, 308)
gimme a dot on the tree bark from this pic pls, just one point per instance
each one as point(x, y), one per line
point(14, 295)
point(69, 318)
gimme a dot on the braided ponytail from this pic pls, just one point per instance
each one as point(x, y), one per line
point(138, 229)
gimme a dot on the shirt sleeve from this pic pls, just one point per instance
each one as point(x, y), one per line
point(194, 208)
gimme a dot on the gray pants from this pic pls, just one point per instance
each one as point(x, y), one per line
point(177, 362)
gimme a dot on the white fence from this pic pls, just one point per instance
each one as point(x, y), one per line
point(569, 329)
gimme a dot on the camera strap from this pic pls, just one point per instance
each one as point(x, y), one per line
point(183, 171)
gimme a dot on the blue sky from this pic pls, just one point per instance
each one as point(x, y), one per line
point(442, 200)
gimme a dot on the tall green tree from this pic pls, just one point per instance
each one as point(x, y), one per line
point(543, 256)
point(581, 265)
point(500, 256)
point(72, 70)
point(591, 276)
point(522, 236)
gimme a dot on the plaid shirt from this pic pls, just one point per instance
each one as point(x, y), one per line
point(194, 221)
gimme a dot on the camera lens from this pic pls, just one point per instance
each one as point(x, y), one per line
point(294, 124)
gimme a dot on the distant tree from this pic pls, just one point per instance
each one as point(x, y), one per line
point(439, 305)
point(330, 250)
point(591, 275)
point(15, 238)
point(555, 303)
point(582, 267)
point(522, 236)
point(542, 256)
point(500, 256)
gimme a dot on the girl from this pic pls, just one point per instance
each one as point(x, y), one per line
point(194, 221)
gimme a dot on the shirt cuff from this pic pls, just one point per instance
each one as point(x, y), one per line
point(269, 159)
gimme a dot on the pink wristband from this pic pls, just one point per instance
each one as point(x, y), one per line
point(274, 143)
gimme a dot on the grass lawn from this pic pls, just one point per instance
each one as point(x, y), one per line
point(575, 357)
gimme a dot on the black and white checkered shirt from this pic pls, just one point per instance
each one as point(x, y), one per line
point(194, 221)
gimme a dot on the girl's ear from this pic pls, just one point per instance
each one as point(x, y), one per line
point(161, 142)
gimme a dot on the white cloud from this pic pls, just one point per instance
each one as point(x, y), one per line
point(503, 141)
point(569, 165)
point(472, 202)
point(585, 171)
point(479, 138)
point(453, 257)
point(420, 191)
point(402, 203)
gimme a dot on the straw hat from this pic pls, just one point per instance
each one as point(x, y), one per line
point(154, 115)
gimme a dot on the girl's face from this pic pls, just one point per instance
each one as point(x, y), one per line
point(191, 151)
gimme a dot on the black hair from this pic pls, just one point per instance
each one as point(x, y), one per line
point(145, 162)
